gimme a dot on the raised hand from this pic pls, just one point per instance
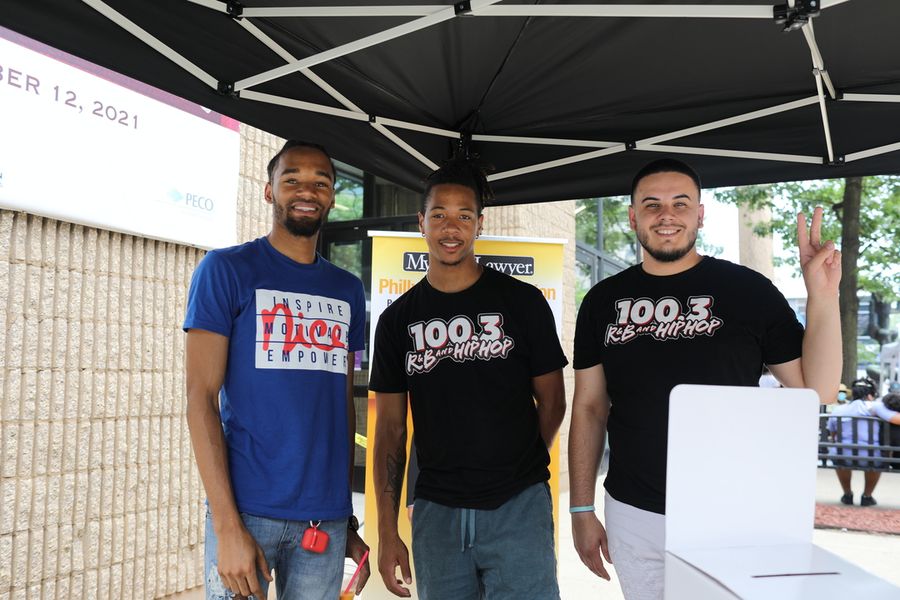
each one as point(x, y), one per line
point(820, 262)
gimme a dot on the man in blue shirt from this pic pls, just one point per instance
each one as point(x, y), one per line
point(272, 329)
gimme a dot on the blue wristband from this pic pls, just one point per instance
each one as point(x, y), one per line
point(580, 509)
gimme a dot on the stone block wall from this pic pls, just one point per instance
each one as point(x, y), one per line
point(99, 494)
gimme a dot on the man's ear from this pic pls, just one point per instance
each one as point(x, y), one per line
point(700, 222)
point(631, 220)
point(421, 223)
point(268, 193)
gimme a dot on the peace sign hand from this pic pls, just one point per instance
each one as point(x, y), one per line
point(821, 263)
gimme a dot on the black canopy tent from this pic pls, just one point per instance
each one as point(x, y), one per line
point(565, 100)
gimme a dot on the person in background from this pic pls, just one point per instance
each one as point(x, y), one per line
point(843, 394)
point(892, 402)
point(863, 432)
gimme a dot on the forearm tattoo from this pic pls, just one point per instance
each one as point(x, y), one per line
point(394, 486)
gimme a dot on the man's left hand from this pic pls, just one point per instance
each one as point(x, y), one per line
point(356, 547)
point(820, 262)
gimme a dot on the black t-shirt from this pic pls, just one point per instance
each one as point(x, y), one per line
point(467, 360)
point(716, 323)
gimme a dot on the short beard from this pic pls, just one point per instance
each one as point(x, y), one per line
point(298, 228)
point(668, 255)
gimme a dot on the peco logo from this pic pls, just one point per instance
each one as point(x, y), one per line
point(192, 201)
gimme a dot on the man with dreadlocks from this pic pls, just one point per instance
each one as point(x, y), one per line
point(476, 353)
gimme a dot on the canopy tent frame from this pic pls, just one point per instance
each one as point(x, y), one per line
point(431, 15)
point(794, 14)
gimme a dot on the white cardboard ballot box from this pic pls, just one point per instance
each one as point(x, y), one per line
point(740, 500)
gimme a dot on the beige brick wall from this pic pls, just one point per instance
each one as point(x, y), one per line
point(99, 495)
point(99, 499)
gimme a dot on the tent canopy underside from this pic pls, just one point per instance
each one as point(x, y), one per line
point(563, 100)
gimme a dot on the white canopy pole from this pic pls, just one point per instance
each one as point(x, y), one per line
point(448, 133)
point(872, 152)
point(522, 10)
point(696, 11)
point(288, 57)
point(342, 11)
point(142, 34)
point(412, 151)
point(517, 139)
point(337, 112)
point(870, 98)
point(765, 112)
point(354, 111)
point(360, 44)
point(263, 37)
point(829, 3)
point(721, 152)
point(558, 163)
point(824, 109)
point(213, 4)
point(310, 106)
point(818, 61)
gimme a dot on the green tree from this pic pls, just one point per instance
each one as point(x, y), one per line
point(348, 199)
point(618, 240)
point(863, 213)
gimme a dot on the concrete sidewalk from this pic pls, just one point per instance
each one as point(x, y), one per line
point(874, 552)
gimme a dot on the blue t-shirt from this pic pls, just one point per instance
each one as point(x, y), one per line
point(284, 397)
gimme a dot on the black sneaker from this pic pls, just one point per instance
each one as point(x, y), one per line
point(848, 498)
point(867, 500)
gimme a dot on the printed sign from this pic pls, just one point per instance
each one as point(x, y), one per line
point(86, 145)
point(301, 331)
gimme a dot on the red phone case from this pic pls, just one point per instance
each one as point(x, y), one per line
point(314, 540)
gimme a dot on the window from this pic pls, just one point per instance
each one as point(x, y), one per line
point(348, 194)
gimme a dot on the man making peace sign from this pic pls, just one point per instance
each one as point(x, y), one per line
point(678, 317)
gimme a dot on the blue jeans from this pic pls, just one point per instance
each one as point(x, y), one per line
point(299, 574)
point(501, 554)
